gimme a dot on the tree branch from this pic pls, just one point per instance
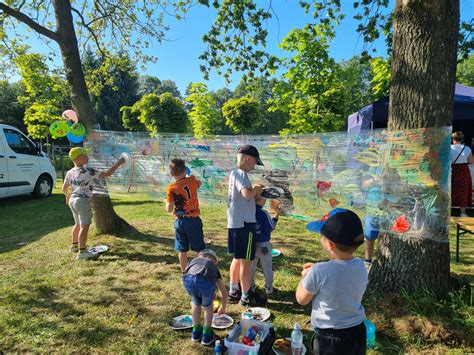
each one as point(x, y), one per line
point(91, 31)
point(20, 16)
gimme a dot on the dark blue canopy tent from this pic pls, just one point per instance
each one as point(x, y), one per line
point(375, 115)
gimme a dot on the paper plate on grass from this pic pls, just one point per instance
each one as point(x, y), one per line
point(272, 192)
point(276, 252)
point(256, 313)
point(184, 321)
point(99, 249)
point(222, 321)
point(128, 161)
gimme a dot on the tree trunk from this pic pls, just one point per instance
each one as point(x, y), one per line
point(421, 95)
point(106, 220)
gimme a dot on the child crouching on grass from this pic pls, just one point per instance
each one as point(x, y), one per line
point(200, 279)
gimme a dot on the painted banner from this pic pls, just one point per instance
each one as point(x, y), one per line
point(397, 181)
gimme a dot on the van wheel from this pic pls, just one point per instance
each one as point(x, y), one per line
point(43, 187)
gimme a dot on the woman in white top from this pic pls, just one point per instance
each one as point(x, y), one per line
point(461, 183)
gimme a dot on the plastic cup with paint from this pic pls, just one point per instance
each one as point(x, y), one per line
point(127, 160)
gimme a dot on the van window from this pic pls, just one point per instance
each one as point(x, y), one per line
point(19, 143)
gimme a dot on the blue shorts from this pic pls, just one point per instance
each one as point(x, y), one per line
point(188, 232)
point(201, 290)
point(242, 242)
point(372, 227)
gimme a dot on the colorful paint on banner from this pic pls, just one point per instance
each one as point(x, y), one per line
point(397, 181)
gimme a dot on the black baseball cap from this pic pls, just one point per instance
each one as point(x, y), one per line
point(341, 226)
point(252, 151)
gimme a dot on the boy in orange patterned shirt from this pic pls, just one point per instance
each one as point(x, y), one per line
point(181, 196)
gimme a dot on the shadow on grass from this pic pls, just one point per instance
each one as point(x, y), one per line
point(148, 258)
point(24, 220)
point(38, 309)
point(134, 234)
point(121, 202)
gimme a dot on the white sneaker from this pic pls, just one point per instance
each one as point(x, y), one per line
point(464, 215)
point(86, 255)
point(367, 265)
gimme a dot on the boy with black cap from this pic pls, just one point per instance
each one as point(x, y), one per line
point(241, 225)
point(336, 287)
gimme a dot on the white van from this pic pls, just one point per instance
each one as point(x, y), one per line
point(24, 167)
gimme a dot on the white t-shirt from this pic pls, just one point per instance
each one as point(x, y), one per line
point(456, 149)
point(239, 209)
point(82, 181)
point(338, 286)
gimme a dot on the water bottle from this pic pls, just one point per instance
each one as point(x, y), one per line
point(235, 333)
point(218, 348)
point(296, 341)
point(370, 330)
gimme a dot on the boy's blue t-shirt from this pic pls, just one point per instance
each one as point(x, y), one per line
point(338, 286)
point(265, 225)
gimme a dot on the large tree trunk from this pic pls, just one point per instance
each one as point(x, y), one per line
point(106, 220)
point(421, 95)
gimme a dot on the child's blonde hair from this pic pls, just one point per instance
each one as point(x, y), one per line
point(209, 253)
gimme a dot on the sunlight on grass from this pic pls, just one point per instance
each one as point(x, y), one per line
point(49, 302)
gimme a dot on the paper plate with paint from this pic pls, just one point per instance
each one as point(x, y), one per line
point(276, 252)
point(272, 192)
point(99, 249)
point(256, 313)
point(222, 321)
point(184, 321)
point(128, 161)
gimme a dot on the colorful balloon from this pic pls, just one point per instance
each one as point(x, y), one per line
point(74, 139)
point(59, 129)
point(77, 129)
point(70, 115)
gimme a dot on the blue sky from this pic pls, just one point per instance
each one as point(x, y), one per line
point(178, 57)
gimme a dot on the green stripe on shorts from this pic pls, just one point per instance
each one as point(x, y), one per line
point(249, 246)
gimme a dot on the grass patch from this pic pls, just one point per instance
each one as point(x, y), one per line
point(122, 303)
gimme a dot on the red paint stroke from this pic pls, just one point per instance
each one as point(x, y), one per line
point(401, 224)
point(323, 186)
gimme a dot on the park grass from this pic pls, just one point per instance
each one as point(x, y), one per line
point(122, 303)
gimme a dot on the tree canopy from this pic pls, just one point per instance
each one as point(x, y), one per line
point(157, 113)
point(44, 94)
point(242, 114)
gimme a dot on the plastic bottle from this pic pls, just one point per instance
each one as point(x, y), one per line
point(296, 340)
point(250, 336)
point(235, 333)
point(218, 348)
point(370, 330)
